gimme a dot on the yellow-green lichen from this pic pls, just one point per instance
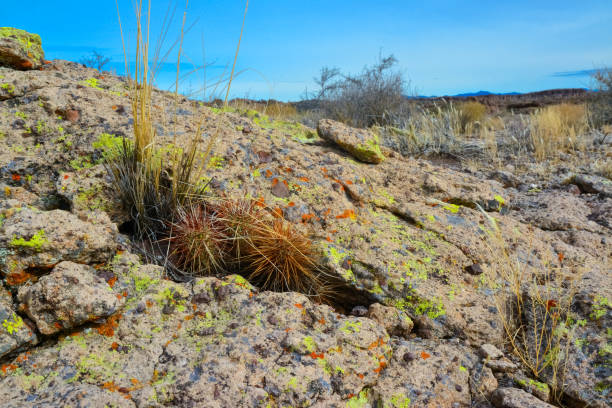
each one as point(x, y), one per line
point(13, 324)
point(359, 401)
point(92, 83)
point(36, 242)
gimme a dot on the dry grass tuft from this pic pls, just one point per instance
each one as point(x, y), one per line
point(534, 307)
point(556, 129)
point(280, 258)
point(470, 114)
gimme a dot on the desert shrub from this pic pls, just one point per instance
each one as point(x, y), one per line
point(471, 113)
point(556, 129)
point(364, 99)
point(600, 102)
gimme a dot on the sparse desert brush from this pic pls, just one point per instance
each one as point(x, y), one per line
point(470, 114)
point(600, 102)
point(198, 243)
point(534, 305)
point(558, 128)
point(280, 258)
point(603, 167)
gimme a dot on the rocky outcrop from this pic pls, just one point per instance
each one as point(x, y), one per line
point(20, 49)
point(409, 244)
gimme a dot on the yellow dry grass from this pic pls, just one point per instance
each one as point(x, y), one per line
point(558, 129)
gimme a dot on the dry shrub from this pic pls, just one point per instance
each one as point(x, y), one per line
point(534, 306)
point(557, 129)
point(470, 114)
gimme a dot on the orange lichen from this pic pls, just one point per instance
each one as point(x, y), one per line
point(317, 355)
point(108, 328)
point(110, 386)
point(347, 214)
point(425, 355)
point(307, 217)
point(19, 278)
point(299, 305)
point(111, 282)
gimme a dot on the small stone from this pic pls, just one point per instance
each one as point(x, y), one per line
point(515, 398)
point(474, 269)
point(502, 366)
point(490, 352)
point(408, 357)
point(200, 298)
point(279, 189)
point(396, 322)
point(359, 311)
point(72, 115)
point(573, 189)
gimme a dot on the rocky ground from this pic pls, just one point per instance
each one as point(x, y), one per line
point(86, 322)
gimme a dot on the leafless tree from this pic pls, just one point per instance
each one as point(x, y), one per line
point(95, 60)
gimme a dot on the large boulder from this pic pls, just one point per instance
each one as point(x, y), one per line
point(36, 241)
point(67, 297)
point(20, 49)
point(359, 143)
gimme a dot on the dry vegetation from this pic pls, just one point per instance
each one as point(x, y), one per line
point(534, 307)
point(195, 234)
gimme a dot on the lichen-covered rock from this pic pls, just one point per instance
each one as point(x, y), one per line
point(20, 49)
point(15, 334)
point(37, 240)
point(67, 297)
point(589, 183)
point(516, 398)
point(361, 144)
point(396, 322)
point(426, 373)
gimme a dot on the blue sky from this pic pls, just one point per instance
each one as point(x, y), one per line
point(443, 47)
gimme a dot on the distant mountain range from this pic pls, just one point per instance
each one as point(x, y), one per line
point(485, 93)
